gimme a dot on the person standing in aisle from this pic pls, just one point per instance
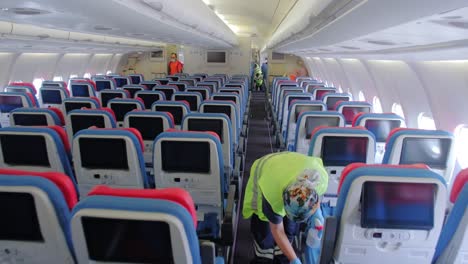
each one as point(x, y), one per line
point(174, 66)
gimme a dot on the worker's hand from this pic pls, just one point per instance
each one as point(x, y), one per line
point(295, 261)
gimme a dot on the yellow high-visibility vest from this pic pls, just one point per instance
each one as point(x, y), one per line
point(271, 174)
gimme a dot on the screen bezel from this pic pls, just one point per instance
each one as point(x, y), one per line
point(124, 167)
point(89, 94)
point(343, 163)
point(367, 223)
point(377, 138)
point(60, 92)
point(226, 59)
point(179, 240)
point(185, 143)
point(24, 102)
point(443, 167)
point(220, 135)
point(43, 116)
point(130, 118)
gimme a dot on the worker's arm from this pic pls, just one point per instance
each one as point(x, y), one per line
point(277, 230)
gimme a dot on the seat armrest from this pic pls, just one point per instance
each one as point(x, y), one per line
point(241, 147)
point(207, 252)
point(328, 240)
point(237, 166)
point(244, 131)
point(227, 228)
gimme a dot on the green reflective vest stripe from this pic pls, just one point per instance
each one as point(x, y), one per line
point(271, 174)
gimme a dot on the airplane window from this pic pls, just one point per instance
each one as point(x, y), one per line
point(397, 109)
point(461, 145)
point(57, 78)
point(377, 106)
point(38, 82)
point(425, 121)
point(361, 96)
point(87, 75)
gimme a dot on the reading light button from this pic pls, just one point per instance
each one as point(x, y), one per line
point(377, 235)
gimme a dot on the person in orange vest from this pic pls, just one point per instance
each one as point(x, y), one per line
point(174, 66)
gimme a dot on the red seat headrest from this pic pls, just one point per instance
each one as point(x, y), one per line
point(63, 135)
point(354, 166)
point(94, 98)
point(109, 110)
point(30, 85)
point(356, 118)
point(458, 184)
point(176, 195)
point(198, 132)
point(59, 113)
point(395, 130)
point(62, 181)
point(31, 98)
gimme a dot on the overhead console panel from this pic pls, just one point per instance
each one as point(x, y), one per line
point(312, 24)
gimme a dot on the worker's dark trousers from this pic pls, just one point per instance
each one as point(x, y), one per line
point(265, 248)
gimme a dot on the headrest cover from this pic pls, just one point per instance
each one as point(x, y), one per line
point(177, 195)
point(194, 132)
point(458, 184)
point(62, 181)
point(354, 166)
point(63, 135)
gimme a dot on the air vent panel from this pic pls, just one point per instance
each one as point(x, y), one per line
point(459, 24)
point(25, 11)
point(103, 28)
point(350, 47)
point(381, 42)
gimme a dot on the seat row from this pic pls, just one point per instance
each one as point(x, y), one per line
point(42, 222)
point(396, 214)
point(232, 104)
point(351, 132)
point(190, 160)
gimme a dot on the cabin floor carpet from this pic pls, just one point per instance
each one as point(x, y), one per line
point(259, 144)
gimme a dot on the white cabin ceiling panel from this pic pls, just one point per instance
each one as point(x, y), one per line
point(440, 36)
point(143, 20)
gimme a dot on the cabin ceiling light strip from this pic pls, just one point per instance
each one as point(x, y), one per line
point(234, 28)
